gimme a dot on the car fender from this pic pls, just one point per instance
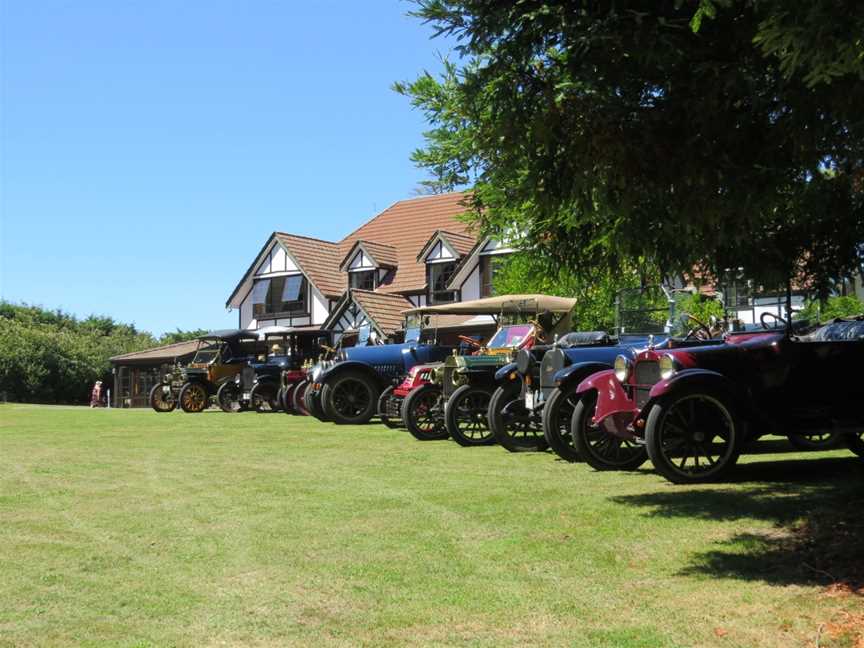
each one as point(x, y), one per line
point(578, 372)
point(347, 365)
point(502, 376)
point(688, 378)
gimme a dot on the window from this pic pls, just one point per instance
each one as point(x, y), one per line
point(439, 276)
point(489, 265)
point(280, 295)
point(364, 280)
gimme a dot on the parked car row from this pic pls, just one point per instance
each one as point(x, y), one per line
point(689, 396)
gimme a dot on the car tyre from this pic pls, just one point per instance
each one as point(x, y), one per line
point(512, 425)
point(683, 425)
point(298, 398)
point(157, 399)
point(383, 400)
point(816, 440)
point(193, 398)
point(557, 417)
point(349, 398)
point(288, 399)
point(228, 397)
point(263, 397)
point(599, 449)
point(421, 412)
point(855, 442)
point(466, 416)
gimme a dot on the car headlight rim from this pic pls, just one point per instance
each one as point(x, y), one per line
point(622, 368)
point(668, 366)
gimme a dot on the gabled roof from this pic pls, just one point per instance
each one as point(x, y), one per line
point(383, 255)
point(406, 226)
point(318, 261)
point(165, 353)
point(385, 310)
point(461, 244)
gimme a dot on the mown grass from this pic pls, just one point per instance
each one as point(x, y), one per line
point(131, 528)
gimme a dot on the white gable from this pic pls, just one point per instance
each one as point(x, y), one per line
point(276, 260)
point(495, 247)
point(439, 252)
point(360, 261)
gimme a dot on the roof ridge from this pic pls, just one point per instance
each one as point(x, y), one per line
point(161, 347)
point(404, 200)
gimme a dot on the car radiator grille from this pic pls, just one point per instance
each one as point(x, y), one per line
point(645, 376)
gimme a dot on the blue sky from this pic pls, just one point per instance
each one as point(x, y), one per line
point(150, 147)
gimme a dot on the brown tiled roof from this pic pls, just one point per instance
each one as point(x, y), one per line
point(406, 226)
point(385, 309)
point(318, 259)
point(460, 243)
point(385, 255)
point(165, 353)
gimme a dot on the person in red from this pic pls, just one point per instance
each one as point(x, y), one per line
point(96, 395)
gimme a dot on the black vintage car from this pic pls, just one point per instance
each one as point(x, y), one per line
point(221, 355)
point(695, 408)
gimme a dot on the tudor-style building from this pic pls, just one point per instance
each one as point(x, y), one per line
point(413, 253)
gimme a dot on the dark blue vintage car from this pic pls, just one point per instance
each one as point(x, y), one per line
point(346, 390)
point(534, 402)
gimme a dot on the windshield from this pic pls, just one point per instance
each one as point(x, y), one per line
point(363, 335)
point(412, 334)
point(509, 336)
point(207, 354)
point(642, 310)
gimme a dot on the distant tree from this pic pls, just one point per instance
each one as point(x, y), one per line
point(179, 335)
point(711, 133)
point(838, 306)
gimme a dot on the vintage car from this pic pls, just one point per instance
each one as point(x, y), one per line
point(305, 347)
point(164, 395)
point(452, 398)
point(347, 389)
point(691, 410)
point(221, 355)
point(536, 391)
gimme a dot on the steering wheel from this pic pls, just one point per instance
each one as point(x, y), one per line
point(470, 341)
point(696, 330)
point(327, 348)
point(774, 316)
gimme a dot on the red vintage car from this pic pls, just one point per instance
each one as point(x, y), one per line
point(692, 410)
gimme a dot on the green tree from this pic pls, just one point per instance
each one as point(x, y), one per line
point(172, 337)
point(709, 133)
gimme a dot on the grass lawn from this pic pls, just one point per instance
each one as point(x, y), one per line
point(132, 528)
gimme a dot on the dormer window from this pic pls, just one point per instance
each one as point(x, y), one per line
point(362, 279)
point(439, 275)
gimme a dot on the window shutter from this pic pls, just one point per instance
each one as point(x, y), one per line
point(259, 291)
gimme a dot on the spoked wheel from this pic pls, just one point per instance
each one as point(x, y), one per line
point(815, 439)
point(298, 398)
point(856, 442)
point(193, 398)
point(692, 437)
point(514, 426)
point(263, 397)
point(465, 415)
point(312, 403)
point(557, 414)
point(349, 398)
point(228, 397)
point(423, 413)
point(599, 449)
point(162, 399)
point(383, 408)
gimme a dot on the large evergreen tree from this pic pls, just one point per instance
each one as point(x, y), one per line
point(675, 133)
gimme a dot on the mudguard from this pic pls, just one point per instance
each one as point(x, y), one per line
point(503, 374)
point(702, 378)
point(345, 365)
point(578, 372)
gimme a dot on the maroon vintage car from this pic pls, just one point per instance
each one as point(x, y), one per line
point(691, 410)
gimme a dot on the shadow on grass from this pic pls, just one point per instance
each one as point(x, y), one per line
point(815, 506)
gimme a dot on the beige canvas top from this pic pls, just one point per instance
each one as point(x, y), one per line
point(500, 304)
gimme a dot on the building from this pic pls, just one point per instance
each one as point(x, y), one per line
point(416, 252)
point(136, 373)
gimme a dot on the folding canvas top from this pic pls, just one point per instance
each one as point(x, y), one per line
point(507, 304)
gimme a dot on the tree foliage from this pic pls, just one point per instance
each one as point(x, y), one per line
point(709, 133)
point(53, 357)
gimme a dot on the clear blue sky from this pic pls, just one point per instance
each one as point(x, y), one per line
point(150, 147)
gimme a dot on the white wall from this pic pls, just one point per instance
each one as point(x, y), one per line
point(471, 287)
point(320, 309)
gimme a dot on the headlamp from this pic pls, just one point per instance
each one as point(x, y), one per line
point(622, 368)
